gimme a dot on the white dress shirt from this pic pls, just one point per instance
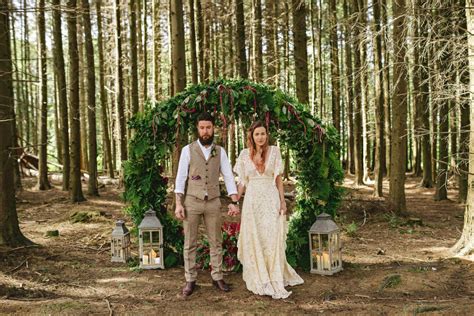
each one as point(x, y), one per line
point(183, 169)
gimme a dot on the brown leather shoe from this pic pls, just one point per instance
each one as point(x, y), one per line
point(221, 285)
point(189, 288)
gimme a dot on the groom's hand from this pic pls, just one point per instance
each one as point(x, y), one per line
point(179, 212)
point(233, 210)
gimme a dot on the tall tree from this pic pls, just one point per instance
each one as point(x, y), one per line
point(271, 59)
point(257, 41)
point(300, 50)
point(358, 141)
point(133, 55)
point(10, 234)
point(156, 49)
point(62, 90)
point(349, 84)
point(334, 53)
point(399, 120)
point(177, 43)
point(43, 182)
point(465, 244)
point(192, 25)
point(103, 95)
point(379, 102)
point(464, 136)
point(92, 188)
point(119, 92)
point(423, 101)
point(240, 42)
point(76, 188)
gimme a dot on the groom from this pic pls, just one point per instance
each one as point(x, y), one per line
point(197, 195)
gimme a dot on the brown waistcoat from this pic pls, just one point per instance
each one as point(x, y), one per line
point(203, 175)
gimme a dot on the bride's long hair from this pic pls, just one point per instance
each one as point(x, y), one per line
point(258, 161)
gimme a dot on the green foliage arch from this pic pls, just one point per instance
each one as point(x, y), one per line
point(158, 130)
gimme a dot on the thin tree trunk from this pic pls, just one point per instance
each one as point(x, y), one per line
point(349, 85)
point(62, 90)
point(300, 50)
point(424, 106)
point(10, 234)
point(257, 40)
point(387, 91)
point(334, 54)
point(240, 42)
point(133, 56)
point(92, 188)
point(76, 188)
point(156, 49)
point(398, 159)
point(358, 141)
point(192, 24)
point(379, 102)
point(271, 61)
point(43, 182)
point(103, 95)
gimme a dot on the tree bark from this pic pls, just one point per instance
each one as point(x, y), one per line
point(349, 84)
point(387, 91)
point(43, 182)
point(257, 40)
point(76, 188)
point(119, 93)
point(399, 128)
point(271, 58)
point(334, 54)
point(192, 25)
point(10, 234)
point(92, 188)
point(465, 244)
point(379, 102)
point(156, 50)
point(178, 48)
point(62, 90)
point(300, 50)
point(240, 42)
point(133, 55)
point(358, 141)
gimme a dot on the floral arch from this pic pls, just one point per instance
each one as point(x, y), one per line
point(162, 127)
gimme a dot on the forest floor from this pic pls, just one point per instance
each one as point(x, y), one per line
point(72, 273)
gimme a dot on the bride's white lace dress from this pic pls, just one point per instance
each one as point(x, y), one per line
point(262, 239)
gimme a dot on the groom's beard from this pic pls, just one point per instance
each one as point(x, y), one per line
point(206, 141)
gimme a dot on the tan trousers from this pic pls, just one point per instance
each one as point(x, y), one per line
point(210, 211)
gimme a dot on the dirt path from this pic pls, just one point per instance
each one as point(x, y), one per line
point(73, 274)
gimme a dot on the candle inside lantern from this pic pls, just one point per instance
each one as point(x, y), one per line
point(326, 264)
point(145, 259)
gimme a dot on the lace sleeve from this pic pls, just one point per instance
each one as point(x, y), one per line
point(278, 167)
point(239, 168)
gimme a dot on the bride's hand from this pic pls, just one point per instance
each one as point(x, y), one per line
point(283, 207)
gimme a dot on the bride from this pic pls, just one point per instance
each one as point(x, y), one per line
point(262, 241)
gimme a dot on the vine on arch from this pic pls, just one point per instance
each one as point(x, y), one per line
point(314, 146)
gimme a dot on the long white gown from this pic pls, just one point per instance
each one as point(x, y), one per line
point(262, 239)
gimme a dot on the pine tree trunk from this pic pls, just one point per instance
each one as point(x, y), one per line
point(387, 92)
point(418, 106)
point(178, 48)
point(464, 137)
point(103, 95)
point(399, 128)
point(156, 50)
point(43, 182)
point(133, 55)
point(300, 50)
point(76, 188)
point(334, 54)
point(62, 90)
point(270, 60)
point(465, 244)
point(349, 85)
point(119, 94)
point(92, 188)
point(240, 40)
point(192, 24)
point(379, 103)
point(257, 40)
point(358, 141)
point(424, 106)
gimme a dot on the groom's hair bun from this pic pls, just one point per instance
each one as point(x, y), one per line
point(205, 116)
